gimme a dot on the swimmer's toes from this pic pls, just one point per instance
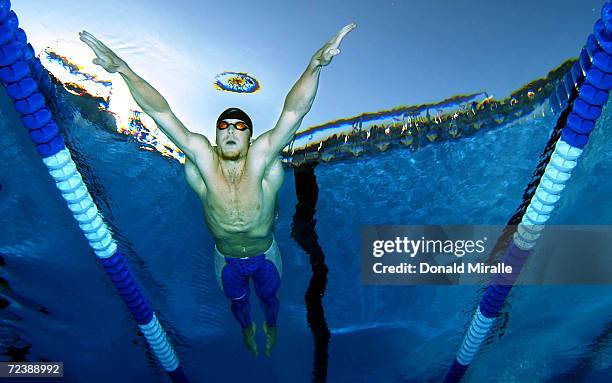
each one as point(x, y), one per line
point(253, 349)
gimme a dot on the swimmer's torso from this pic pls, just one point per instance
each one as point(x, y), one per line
point(239, 209)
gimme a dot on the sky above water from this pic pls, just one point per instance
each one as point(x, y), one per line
point(402, 52)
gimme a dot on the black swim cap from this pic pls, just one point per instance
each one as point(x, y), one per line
point(237, 114)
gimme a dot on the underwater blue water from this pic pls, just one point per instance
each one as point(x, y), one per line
point(379, 333)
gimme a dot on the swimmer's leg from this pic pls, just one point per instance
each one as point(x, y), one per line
point(271, 336)
point(249, 339)
point(266, 280)
point(236, 288)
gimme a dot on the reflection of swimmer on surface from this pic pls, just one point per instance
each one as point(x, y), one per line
point(236, 180)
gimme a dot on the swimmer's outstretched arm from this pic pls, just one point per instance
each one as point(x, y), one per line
point(300, 98)
point(151, 101)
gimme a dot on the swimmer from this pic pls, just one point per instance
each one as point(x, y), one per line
point(237, 181)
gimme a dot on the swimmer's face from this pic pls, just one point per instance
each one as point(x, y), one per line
point(233, 138)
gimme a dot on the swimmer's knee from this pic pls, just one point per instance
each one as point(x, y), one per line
point(235, 292)
point(268, 289)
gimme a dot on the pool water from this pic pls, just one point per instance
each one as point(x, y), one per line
point(64, 306)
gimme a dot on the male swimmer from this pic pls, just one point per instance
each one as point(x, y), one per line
point(236, 180)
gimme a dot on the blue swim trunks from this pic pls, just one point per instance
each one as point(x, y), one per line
point(233, 275)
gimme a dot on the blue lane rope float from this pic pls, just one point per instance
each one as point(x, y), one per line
point(585, 90)
point(19, 72)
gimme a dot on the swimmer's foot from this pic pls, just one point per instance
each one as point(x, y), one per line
point(249, 339)
point(270, 337)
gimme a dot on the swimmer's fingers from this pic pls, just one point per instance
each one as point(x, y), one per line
point(100, 62)
point(92, 41)
point(109, 67)
point(106, 58)
point(104, 48)
point(98, 47)
point(337, 39)
point(84, 37)
point(331, 48)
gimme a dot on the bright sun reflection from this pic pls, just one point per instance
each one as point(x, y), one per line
point(71, 64)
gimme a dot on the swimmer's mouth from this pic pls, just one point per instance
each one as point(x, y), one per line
point(231, 142)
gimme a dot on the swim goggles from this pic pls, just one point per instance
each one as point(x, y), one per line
point(222, 125)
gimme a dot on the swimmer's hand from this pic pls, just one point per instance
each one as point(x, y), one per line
point(323, 56)
point(105, 57)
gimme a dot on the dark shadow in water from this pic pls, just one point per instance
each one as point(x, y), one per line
point(585, 369)
point(13, 346)
point(304, 233)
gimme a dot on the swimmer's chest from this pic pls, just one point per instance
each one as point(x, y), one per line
point(244, 193)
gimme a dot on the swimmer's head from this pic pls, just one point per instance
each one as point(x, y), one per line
point(233, 133)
